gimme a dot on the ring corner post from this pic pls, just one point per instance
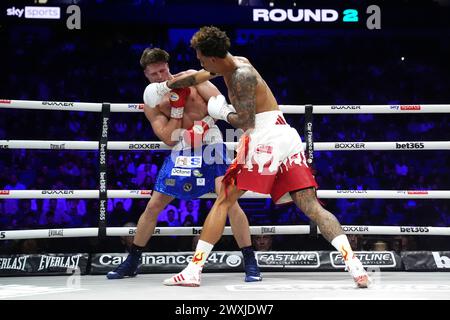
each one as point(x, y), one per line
point(308, 133)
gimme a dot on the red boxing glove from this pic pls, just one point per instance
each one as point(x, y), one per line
point(194, 135)
point(177, 100)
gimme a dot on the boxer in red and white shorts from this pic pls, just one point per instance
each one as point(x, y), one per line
point(275, 161)
point(270, 156)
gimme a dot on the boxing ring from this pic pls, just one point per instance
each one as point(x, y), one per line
point(276, 285)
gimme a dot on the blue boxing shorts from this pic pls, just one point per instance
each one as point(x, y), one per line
point(190, 173)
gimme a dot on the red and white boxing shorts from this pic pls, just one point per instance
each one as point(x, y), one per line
point(271, 159)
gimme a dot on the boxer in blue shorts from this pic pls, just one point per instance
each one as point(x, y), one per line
point(197, 163)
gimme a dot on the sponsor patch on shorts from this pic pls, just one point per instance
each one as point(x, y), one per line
point(181, 172)
point(169, 182)
point(197, 173)
point(187, 187)
point(188, 162)
point(261, 148)
point(200, 181)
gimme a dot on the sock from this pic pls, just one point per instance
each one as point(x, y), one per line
point(201, 254)
point(249, 254)
point(136, 251)
point(343, 246)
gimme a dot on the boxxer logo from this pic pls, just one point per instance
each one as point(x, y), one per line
point(143, 146)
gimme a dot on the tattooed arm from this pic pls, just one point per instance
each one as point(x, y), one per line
point(243, 88)
point(191, 79)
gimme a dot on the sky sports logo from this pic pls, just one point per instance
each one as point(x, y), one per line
point(35, 12)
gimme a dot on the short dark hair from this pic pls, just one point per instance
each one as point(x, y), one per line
point(153, 55)
point(211, 42)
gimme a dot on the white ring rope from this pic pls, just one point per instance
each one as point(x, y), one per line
point(158, 145)
point(143, 194)
point(191, 231)
point(139, 107)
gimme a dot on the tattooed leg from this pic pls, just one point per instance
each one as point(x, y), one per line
point(306, 201)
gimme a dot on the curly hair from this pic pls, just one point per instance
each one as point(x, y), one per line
point(211, 42)
point(153, 55)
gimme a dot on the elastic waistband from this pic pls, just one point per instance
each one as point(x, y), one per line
point(269, 118)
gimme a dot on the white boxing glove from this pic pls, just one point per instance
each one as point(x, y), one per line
point(155, 92)
point(218, 108)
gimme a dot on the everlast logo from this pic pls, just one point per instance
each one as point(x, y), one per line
point(17, 263)
point(56, 233)
point(59, 192)
point(355, 228)
point(410, 145)
point(58, 146)
point(5, 101)
point(143, 146)
point(267, 230)
point(196, 231)
point(414, 229)
point(351, 191)
point(442, 262)
point(59, 262)
point(4, 146)
point(57, 104)
point(345, 107)
point(349, 145)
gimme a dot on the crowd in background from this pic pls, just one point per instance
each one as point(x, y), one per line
point(328, 68)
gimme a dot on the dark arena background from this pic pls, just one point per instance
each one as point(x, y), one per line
point(365, 83)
